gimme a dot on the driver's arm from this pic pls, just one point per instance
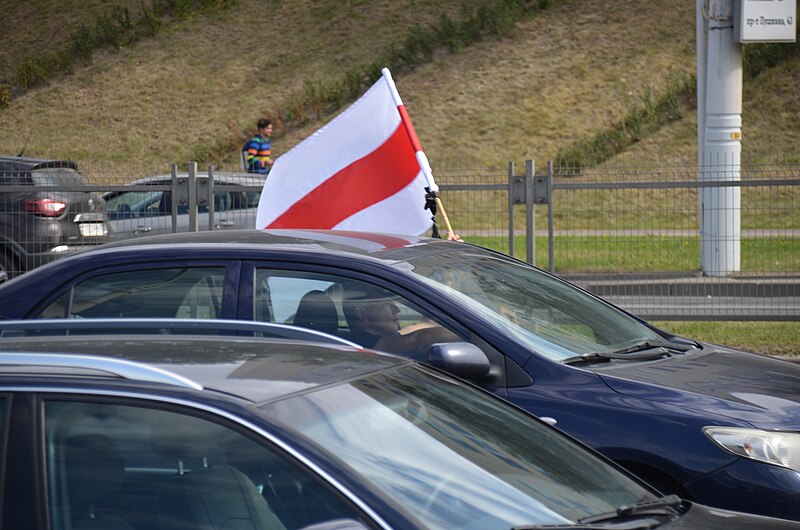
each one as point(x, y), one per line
point(416, 342)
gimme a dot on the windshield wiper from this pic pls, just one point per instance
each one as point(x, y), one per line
point(662, 506)
point(651, 344)
point(638, 352)
point(641, 524)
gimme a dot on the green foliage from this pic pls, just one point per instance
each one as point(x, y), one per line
point(82, 43)
point(112, 29)
point(115, 28)
point(5, 95)
point(149, 24)
point(29, 73)
point(760, 56)
point(641, 120)
point(479, 18)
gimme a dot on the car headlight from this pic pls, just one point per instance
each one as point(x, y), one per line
point(779, 448)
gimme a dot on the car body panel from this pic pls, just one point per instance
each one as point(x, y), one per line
point(140, 213)
point(740, 394)
point(236, 379)
point(646, 414)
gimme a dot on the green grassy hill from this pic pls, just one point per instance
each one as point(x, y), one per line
point(190, 82)
point(193, 89)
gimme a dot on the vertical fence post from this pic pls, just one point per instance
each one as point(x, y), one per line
point(191, 182)
point(211, 202)
point(511, 201)
point(530, 210)
point(175, 194)
point(550, 228)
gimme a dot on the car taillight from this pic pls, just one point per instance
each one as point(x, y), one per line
point(45, 207)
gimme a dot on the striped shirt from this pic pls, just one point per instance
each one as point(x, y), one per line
point(258, 152)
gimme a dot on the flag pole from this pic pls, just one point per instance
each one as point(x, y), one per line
point(421, 158)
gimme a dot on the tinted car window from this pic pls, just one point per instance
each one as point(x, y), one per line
point(167, 293)
point(57, 177)
point(320, 302)
point(452, 457)
point(136, 204)
point(551, 316)
point(123, 466)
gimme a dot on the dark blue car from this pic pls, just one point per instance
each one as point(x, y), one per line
point(190, 432)
point(709, 423)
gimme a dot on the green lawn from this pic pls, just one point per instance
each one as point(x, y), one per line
point(773, 338)
point(622, 254)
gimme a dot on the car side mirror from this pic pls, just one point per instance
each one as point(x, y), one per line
point(3, 276)
point(337, 524)
point(462, 359)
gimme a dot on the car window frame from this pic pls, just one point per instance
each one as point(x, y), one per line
point(229, 292)
point(5, 434)
point(246, 308)
point(241, 422)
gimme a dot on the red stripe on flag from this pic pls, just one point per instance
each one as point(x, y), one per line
point(368, 180)
point(412, 134)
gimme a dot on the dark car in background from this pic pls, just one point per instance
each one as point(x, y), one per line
point(709, 423)
point(41, 218)
point(140, 212)
point(188, 432)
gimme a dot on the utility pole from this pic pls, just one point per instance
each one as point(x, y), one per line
point(719, 123)
point(722, 27)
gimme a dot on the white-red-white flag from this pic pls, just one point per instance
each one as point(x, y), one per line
point(364, 170)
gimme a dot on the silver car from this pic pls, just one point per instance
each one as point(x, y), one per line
point(140, 212)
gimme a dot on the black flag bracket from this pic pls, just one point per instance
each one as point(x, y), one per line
point(430, 204)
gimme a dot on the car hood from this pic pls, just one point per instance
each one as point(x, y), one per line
point(758, 389)
point(704, 517)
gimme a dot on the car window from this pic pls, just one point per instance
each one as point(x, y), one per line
point(358, 311)
point(549, 315)
point(126, 466)
point(56, 177)
point(251, 199)
point(453, 458)
point(181, 292)
point(223, 201)
point(138, 204)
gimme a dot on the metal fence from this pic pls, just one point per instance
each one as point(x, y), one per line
point(633, 234)
point(630, 234)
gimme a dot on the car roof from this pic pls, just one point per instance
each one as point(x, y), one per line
point(244, 179)
point(18, 163)
point(342, 241)
point(255, 369)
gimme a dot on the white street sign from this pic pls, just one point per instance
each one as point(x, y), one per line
point(768, 21)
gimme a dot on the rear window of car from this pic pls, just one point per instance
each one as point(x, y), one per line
point(181, 292)
point(56, 177)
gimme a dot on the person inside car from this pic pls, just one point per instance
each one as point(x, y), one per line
point(373, 318)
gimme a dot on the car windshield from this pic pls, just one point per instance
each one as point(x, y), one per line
point(452, 457)
point(549, 315)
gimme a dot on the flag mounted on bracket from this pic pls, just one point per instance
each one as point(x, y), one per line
point(364, 170)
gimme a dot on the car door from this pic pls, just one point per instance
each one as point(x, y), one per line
point(144, 464)
point(317, 297)
point(140, 213)
point(233, 209)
